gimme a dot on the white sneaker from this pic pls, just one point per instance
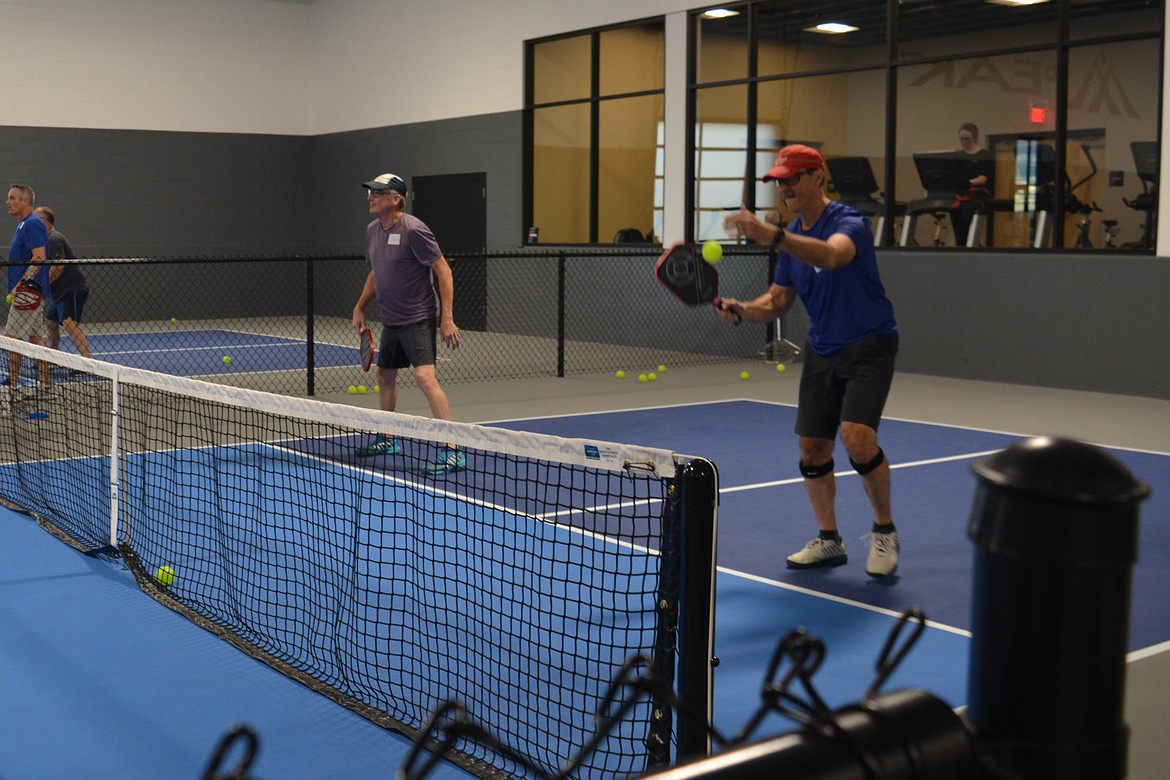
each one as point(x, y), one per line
point(819, 552)
point(883, 554)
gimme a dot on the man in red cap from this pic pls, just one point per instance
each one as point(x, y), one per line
point(826, 257)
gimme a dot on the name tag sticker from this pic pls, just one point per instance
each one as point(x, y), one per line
point(394, 239)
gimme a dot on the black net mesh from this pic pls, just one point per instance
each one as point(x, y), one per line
point(517, 583)
point(284, 324)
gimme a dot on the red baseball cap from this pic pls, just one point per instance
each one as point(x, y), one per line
point(793, 159)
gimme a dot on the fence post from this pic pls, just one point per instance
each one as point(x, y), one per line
point(560, 314)
point(310, 337)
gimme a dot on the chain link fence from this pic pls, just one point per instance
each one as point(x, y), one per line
point(283, 324)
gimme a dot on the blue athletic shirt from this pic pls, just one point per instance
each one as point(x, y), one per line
point(847, 305)
point(30, 234)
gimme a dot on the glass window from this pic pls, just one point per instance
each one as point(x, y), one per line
point(797, 37)
point(1097, 18)
point(596, 153)
point(631, 58)
point(1017, 125)
point(627, 151)
point(723, 49)
point(929, 29)
point(958, 122)
point(561, 69)
point(560, 173)
point(1113, 110)
point(721, 150)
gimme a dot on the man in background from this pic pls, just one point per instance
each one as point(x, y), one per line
point(28, 252)
point(403, 254)
point(69, 287)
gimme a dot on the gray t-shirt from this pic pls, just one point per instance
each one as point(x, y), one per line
point(401, 259)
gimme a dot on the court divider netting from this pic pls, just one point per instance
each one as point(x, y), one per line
point(517, 587)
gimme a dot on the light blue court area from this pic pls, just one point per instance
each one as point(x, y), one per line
point(201, 352)
point(392, 589)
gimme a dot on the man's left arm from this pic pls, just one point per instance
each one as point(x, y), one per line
point(835, 252)
point(35, 263)
point(447, 330)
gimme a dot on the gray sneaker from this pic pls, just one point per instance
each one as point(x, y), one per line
point(883, 554)
point(819, 552)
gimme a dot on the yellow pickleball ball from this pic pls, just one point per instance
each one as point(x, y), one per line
point(377, 389)
point(643, 378)
point(745, 375)
point(174, 320)
point(352, 389)
point(227, 360)
point(652, 376)
point(712, 251)
point(361, 389)
point(165, 576)
point(10, 297)
point(662, 368)
point(781, 367)
point(621, 374)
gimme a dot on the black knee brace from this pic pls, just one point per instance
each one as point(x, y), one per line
point(816, 472)
point(865, 468)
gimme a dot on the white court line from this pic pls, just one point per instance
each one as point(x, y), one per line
point(928, 462)
point(1147, 652)
point(829, 597)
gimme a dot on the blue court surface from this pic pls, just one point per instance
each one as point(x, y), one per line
point(201, 352)
point(102, 681)
point(764, 515)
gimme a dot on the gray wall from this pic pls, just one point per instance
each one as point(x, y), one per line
point(135, 192)
point(1082, 322)
point(340, 162)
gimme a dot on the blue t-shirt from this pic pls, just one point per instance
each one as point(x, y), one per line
point(401, 259)
point(847, 305)
point(30, 234)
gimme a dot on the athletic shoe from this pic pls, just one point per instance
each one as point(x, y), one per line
point(883, 554)
point(819, 552)
point(449, 461)
point(381, 445)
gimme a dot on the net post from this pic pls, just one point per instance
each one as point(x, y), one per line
point(561, 314)
point(310, 355)
point(699, 484)
point(115, 470)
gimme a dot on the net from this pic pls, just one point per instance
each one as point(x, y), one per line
point(521, 313)
point(517, 586)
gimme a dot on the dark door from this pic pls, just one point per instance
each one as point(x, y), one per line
point(455, 208)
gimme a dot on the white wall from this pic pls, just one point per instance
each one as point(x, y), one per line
point(293, 67)
point(298, 67)
point(194, 65)
point(381, 63)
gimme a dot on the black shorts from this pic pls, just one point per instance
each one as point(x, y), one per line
point(848, 386)
point(407, 345)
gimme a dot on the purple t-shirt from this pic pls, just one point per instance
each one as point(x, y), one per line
point(401, 259)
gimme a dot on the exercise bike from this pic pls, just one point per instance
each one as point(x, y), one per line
point(1074, 205)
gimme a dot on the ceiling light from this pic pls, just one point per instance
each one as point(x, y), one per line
point(719, 13)
point(833, 28)
point(1017, 2)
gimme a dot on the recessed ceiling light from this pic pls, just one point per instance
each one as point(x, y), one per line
point(720, 13)
point(833, 28)
point(1017, 2)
